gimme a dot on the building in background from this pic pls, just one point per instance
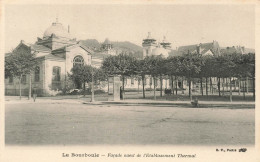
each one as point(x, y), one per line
point(211, 48)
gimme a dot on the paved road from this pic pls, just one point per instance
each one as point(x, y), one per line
point(59, 123)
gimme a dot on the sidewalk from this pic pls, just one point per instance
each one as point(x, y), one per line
point(137, 102)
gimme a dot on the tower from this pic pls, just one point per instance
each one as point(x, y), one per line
point(165, 44)
point(148, 45)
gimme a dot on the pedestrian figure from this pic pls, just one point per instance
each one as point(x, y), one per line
point(34, 93)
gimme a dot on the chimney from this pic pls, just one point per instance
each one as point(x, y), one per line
point(68, 28)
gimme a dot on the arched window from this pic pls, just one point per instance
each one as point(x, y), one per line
point(37, 74)
point(78, 60)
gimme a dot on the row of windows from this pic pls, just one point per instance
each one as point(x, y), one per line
point(78, 60)
point(55, 75)
point(23, 79)
point(139, 82)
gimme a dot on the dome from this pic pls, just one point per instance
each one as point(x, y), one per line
point(160, 51)
point(57, 29)
point(107, 41)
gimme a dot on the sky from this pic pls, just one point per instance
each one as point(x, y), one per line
point(230, 25)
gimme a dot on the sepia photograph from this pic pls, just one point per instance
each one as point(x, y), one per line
point(172, 75)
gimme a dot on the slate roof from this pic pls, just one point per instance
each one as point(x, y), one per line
point(40, 48)
point(205, 47)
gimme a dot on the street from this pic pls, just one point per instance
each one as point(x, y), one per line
point(75, 123)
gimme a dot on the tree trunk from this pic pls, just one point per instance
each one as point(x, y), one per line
point(246, 84)
point(226, 83)
point(182, 86)
point(176, 82)
point(218, 86)
point(207, 86)
point(30, 86)
point(92, 87)
point(190, 90)
point(239, 86)
point(143, 77)
point(253, 87)
point(210, 82)
point(189, 87)
point(138, 82)
point(150, 84)
point(235, 87)
point(123, 87)
point(172, 88)
point(160, 85)
point(244, 90)
point(108, 85)
point(223, 87)
point(84, 89)
point(201, 87)
point(154, 88)
point(20, 88)
point(230, 91)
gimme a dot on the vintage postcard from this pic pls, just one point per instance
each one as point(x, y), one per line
point(129, 81)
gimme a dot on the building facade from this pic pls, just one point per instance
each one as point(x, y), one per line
point(57, 53)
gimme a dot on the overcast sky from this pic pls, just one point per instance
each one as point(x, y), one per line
point(182, 24)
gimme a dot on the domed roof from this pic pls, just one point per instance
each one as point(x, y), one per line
point(57, 29)
point(160, 51)
point(107, 41)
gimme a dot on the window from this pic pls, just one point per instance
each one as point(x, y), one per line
point(132, 81)
point(37, 74)
point(56, 73)
point(125, 81)
point(23, 81)
point(151, 80)
point(78, 60)
point(11, 79)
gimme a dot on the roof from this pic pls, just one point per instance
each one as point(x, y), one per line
point(204, 47)
point(57, 29)
point(40, 48)
point(107, 41)
point(86, 49)
point(236, 49)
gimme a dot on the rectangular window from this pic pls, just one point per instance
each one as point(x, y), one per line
point(56, 73)
point(151, 80)
point(155, 82)
point(23, 81)
point(37, 74)
point(125, 81)
point(132, 81)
